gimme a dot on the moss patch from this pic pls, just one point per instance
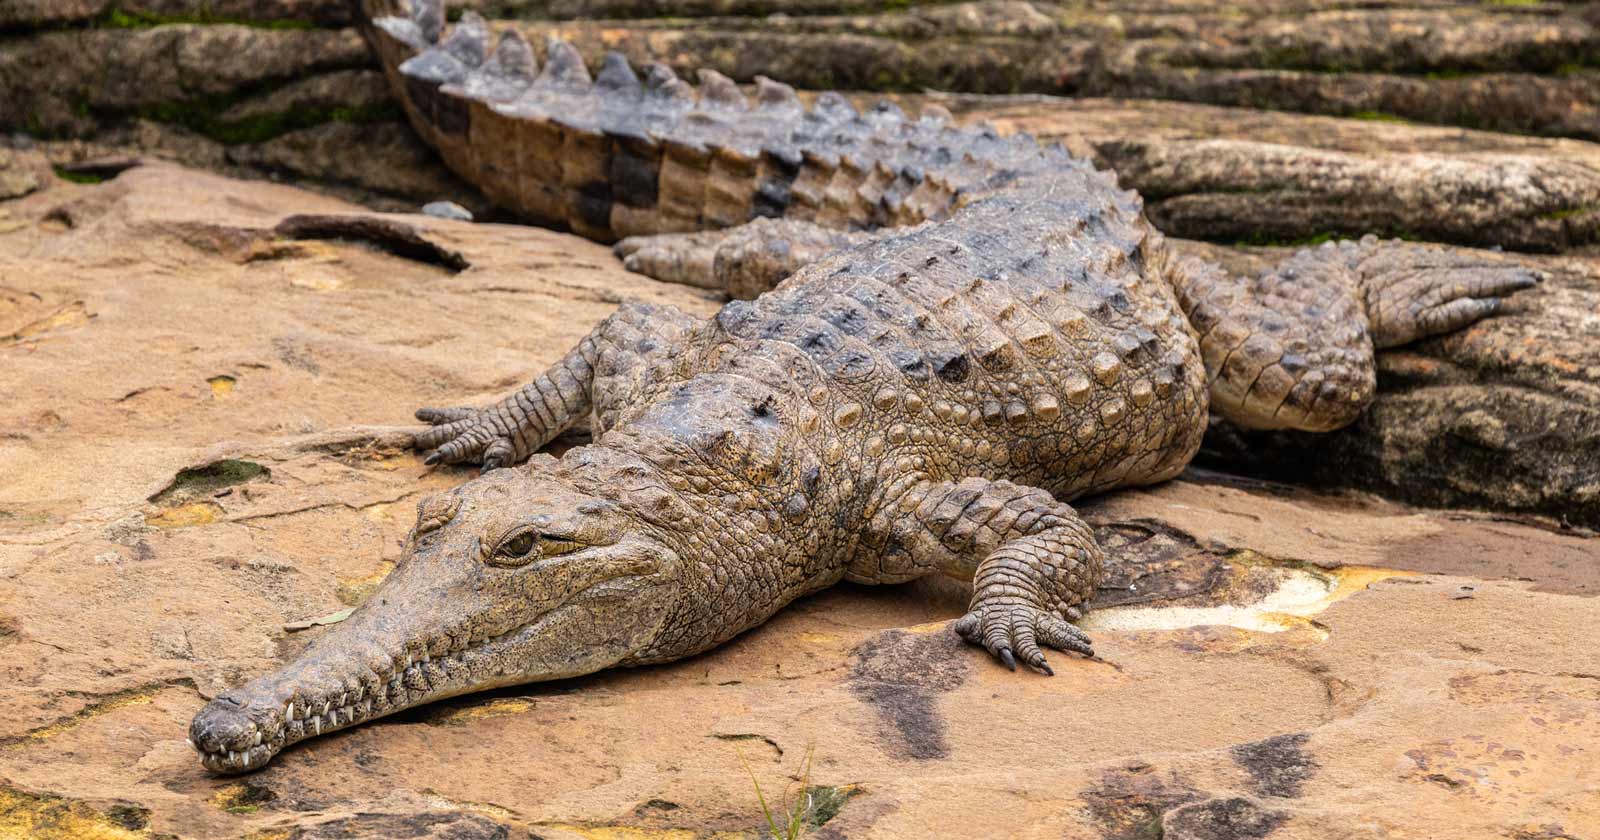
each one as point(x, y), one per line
point(1262, 239)
point(204, 116)
point(243, 798)
point(195, 482)
point(117, 18)
point(66, 174)
point(1378, 116)
point(827, 800)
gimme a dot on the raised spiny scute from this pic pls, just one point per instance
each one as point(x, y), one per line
point(616, 155)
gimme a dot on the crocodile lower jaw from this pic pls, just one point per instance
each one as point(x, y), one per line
point(414, 681)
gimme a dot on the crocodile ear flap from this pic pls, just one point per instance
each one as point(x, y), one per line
point(616, 77)
point(563, 65)
point(469, 40)
point(428, 15)
point(775, 95)
point(720, 91)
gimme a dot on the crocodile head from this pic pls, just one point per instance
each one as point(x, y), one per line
point(514, 577)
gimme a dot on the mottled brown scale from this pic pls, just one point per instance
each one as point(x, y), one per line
point(959, 333)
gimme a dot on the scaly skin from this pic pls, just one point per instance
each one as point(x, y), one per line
point(976, 330)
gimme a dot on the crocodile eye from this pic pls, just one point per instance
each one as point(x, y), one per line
point(518, 547)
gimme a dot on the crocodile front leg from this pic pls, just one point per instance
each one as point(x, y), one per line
point(605, 370)
point(1033, 562)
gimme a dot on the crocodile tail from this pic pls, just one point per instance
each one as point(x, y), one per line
point(616, 154)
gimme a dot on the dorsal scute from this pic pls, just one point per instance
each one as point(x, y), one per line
point(616, 79)
point(468, 40)
point(563, 66)
point(435, 65)
point(719, 91)
point(776, 96)
point(505, 75)
point(404, 30)
point(428, 15)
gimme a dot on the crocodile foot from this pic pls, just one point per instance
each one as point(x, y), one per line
point(464, 435)
point(1012, 629)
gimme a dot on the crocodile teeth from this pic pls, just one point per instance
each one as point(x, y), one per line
point(316, 725)
point(257, 741)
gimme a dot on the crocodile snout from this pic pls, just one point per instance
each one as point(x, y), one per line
point(234, 735)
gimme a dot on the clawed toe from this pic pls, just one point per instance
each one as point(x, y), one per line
point(1018, 633)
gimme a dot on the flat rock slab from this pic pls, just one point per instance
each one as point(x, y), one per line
point(204, 442)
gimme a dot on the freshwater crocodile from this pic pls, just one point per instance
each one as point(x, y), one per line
point(967, 332)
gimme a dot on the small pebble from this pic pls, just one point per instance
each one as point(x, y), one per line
point(1462, 592)
point(447, 210)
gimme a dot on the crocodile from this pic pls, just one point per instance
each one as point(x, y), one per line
point(939, 338)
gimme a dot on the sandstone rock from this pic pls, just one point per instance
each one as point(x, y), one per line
point(1499, 66)
point(191, 464)
point(67, 82)
point(39, 13)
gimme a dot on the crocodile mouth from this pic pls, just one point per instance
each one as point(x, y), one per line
point(234, 736)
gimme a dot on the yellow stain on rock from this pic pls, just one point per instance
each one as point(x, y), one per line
point(498, 707)
point(437, 800)
point(28, 816)
point(186, 516)
point(353, 592)
point(221, 386)
point(1301, 594)
point(819, 638)
point(112, 702)
point(72, 315)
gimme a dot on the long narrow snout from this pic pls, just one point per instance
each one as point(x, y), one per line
point(358, 672)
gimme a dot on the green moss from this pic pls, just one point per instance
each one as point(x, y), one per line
point(1512, 2)
point(205, 480)
point(1571, 212)
point(1262, 239)
point(826, 801)
point(1379, 116)
point(77, 177)
point(205, 116)
point(116, 18)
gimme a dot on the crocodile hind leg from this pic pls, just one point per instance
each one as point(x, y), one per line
point(1033, 562)
point(1293, 348)
point(742, 261)
point(601, 372)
